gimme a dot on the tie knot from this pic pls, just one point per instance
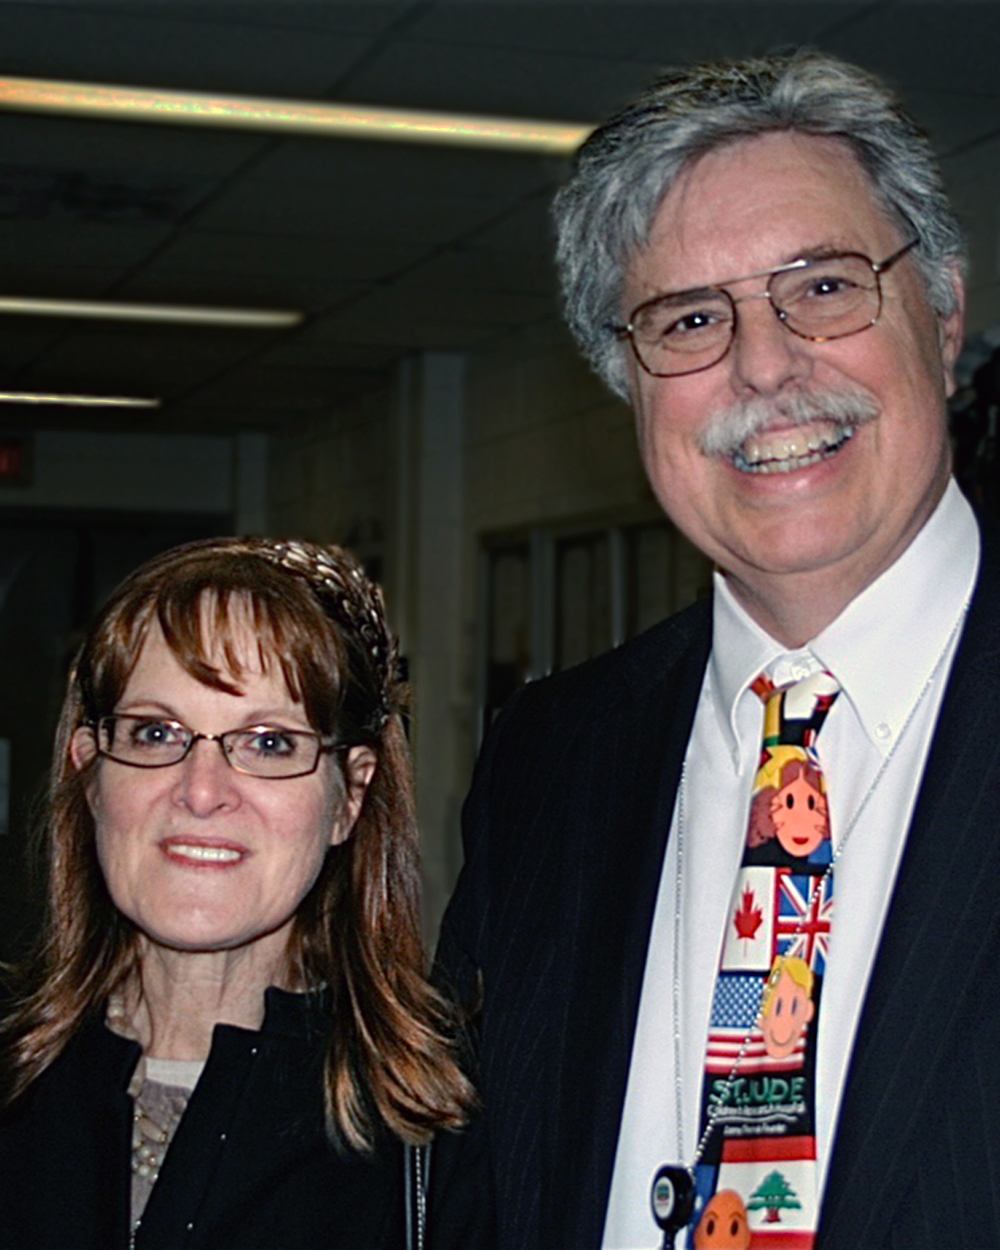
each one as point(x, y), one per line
point(794, 713)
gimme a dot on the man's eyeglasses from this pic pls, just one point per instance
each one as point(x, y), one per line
point(259, 750)
point(818, 299)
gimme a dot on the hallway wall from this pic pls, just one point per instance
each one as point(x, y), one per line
point(519, 443)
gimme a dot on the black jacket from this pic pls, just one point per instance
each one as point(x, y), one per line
point(566, 829)
point(250, 1166)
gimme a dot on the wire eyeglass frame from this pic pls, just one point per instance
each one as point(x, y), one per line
point(103, 728)
point(719, 289)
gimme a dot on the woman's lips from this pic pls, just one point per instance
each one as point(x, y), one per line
point(202, 852)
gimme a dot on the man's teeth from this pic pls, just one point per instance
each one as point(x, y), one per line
point(782, 451)
point(210, 854)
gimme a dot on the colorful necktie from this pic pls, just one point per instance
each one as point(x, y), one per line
point(756, 1177)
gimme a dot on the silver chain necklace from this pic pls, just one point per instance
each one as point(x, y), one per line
point(667, 1198)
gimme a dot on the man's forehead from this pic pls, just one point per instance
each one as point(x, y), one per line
point(749, 206)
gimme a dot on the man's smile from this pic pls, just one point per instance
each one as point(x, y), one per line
point(781, 435)
point(784, 451)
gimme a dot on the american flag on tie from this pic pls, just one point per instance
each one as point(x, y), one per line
point(735, 1009)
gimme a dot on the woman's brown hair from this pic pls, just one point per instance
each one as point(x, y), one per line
point(392, 1055)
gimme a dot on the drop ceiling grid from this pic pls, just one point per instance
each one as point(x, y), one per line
point(388, 249)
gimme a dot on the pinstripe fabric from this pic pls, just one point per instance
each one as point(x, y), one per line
point(565, 832)
point(932, 1013)
point(566, 827)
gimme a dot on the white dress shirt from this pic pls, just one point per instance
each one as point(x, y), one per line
point(891, 651)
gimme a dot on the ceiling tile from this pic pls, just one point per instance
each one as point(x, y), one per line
point(116, 246)
point(916, 45)
point(105, 149)
point(208, 48)
point(482, 270)
point(409, 168)
point(586, 29)
point(514, 82)
point(338, 259)
point(364, 211)
point(228, 288)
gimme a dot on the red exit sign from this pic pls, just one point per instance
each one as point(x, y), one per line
point(15, 461)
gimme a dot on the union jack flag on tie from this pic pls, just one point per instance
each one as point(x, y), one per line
point(803, 915)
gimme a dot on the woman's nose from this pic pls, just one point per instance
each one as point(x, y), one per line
point(205, 781)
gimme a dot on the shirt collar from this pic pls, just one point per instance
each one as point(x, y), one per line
point(911, 610)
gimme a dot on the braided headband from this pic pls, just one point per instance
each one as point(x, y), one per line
point(347, 596)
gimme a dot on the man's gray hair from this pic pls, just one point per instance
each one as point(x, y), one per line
point(605, 212)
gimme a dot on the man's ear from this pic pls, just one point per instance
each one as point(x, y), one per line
point(951, 334)
point(359, 768)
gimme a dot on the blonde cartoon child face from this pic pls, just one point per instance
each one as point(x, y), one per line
point(787, 1009)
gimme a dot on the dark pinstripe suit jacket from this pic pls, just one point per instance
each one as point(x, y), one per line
point(565, 832)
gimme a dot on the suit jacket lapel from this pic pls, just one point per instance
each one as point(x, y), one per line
point(940, 932)
point(613, 879)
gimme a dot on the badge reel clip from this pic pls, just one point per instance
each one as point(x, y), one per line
point(672, 1200)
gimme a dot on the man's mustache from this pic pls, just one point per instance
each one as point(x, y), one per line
point(729, 429)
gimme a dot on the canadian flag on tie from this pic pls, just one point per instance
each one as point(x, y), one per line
point(749, 938)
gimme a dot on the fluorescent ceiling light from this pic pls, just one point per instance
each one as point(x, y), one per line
point(337, 121)
point(110, 310)
point(77, 401)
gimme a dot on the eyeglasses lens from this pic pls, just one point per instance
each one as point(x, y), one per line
point(683, 331)
point(827, 299)
point(272, 752)
point(142, 740)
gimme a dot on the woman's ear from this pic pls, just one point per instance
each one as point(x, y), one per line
point(83, 751)
point(82, 747)
point(359, 768)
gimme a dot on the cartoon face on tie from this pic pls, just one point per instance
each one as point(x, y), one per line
point(787, 1006)
point(799, 810)
point(723, 1224)
point(789, 804)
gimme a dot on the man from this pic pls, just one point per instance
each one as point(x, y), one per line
point(761, 259)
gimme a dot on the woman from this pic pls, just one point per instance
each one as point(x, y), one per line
point(224, 1037)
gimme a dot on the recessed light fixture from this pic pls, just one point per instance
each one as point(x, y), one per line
point(180, 314)
point(77, 401)
point(336, 121)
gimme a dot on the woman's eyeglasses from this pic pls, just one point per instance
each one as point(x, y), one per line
point(259, 750)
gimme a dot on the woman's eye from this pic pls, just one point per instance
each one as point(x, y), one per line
point(271, 742)
point(155, 733)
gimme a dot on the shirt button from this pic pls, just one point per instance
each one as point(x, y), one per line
point(882, 731)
